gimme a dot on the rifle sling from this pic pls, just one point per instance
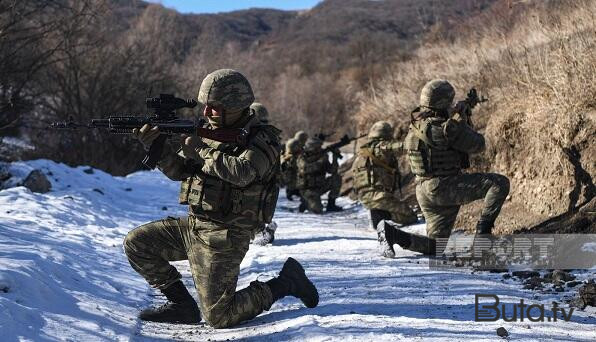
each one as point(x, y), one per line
point(376, 160)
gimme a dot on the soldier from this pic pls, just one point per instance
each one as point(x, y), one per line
point(261, 112)
point(231, 189)
point(438, 144)
point(377, 182)
point(266, 234)
point(302, 137)
point(313, 165)
point(289, 170)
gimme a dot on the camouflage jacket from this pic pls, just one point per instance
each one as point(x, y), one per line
point(289, 170)
point(312, 167)
point(438, 146)
point(229, 183)
point(376, 167)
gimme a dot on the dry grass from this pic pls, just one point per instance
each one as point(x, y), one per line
point(537, 64)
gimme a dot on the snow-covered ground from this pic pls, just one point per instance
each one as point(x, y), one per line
point(64, 276)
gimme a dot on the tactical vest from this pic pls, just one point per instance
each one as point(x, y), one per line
point(288, 170)
point(312, 168)
point(374, 170)
point(246, 207)
point(428, 151)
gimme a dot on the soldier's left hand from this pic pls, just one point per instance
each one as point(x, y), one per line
point(191, 145)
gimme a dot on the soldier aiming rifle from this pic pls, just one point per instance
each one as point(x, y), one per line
point(164, 118)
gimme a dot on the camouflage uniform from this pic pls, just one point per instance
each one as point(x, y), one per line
point(231, 191)
point(313, 165)
point(289, 171)
point(438, 148)
point(377, 179)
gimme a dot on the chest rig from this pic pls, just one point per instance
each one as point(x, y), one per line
point(214, 199)
point(428, 150)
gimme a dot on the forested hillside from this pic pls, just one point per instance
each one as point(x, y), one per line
point(340, 65)
point(92, 58)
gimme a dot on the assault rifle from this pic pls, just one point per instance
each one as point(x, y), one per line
point(323, 136)
point(164, 117)
point(464, 107)
point(345, 140)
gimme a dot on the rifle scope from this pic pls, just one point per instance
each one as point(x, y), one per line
point(168, 103)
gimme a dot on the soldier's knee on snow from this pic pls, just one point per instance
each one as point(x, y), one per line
point(215, 319)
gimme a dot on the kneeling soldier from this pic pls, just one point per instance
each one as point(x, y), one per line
point(377, 182)
point(231, 190)
point(439, 142)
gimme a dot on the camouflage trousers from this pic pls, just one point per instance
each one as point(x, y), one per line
point(441, 197)
point(312, 197)
point(214, 252)
point(380, 200)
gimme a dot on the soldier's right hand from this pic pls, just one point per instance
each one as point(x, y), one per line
point(146, 135)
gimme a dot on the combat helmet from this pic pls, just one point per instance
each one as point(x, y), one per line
point(313, 144)
point(381, 130)
point(229, 91)
point(260, 111)
point(293, 146)
point(437, 94)
point(301, 136)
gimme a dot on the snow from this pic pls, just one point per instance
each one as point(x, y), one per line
point(64, 275)
point(15, 142)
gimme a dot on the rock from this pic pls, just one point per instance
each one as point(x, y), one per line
point(559, 277)
point(88, 170)
point(164, 208)
point(4, 175)
point(573, 283)
point(497, 270)
point(587, 295)
point(534, 283)
point(36, 181)
point(502, 332)
point(506, 276)
point(525, 274)
point(128, 189)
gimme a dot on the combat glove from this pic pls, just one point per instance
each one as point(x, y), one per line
point(191, 146)
point(146, 135)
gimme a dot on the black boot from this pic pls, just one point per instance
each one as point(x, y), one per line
point(180, 308)
point(413, 242)
point(292, 281)
point(302, 206)
point(331, 207)
point(484, 227)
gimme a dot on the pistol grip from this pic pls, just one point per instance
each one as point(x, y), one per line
point(154, 154)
